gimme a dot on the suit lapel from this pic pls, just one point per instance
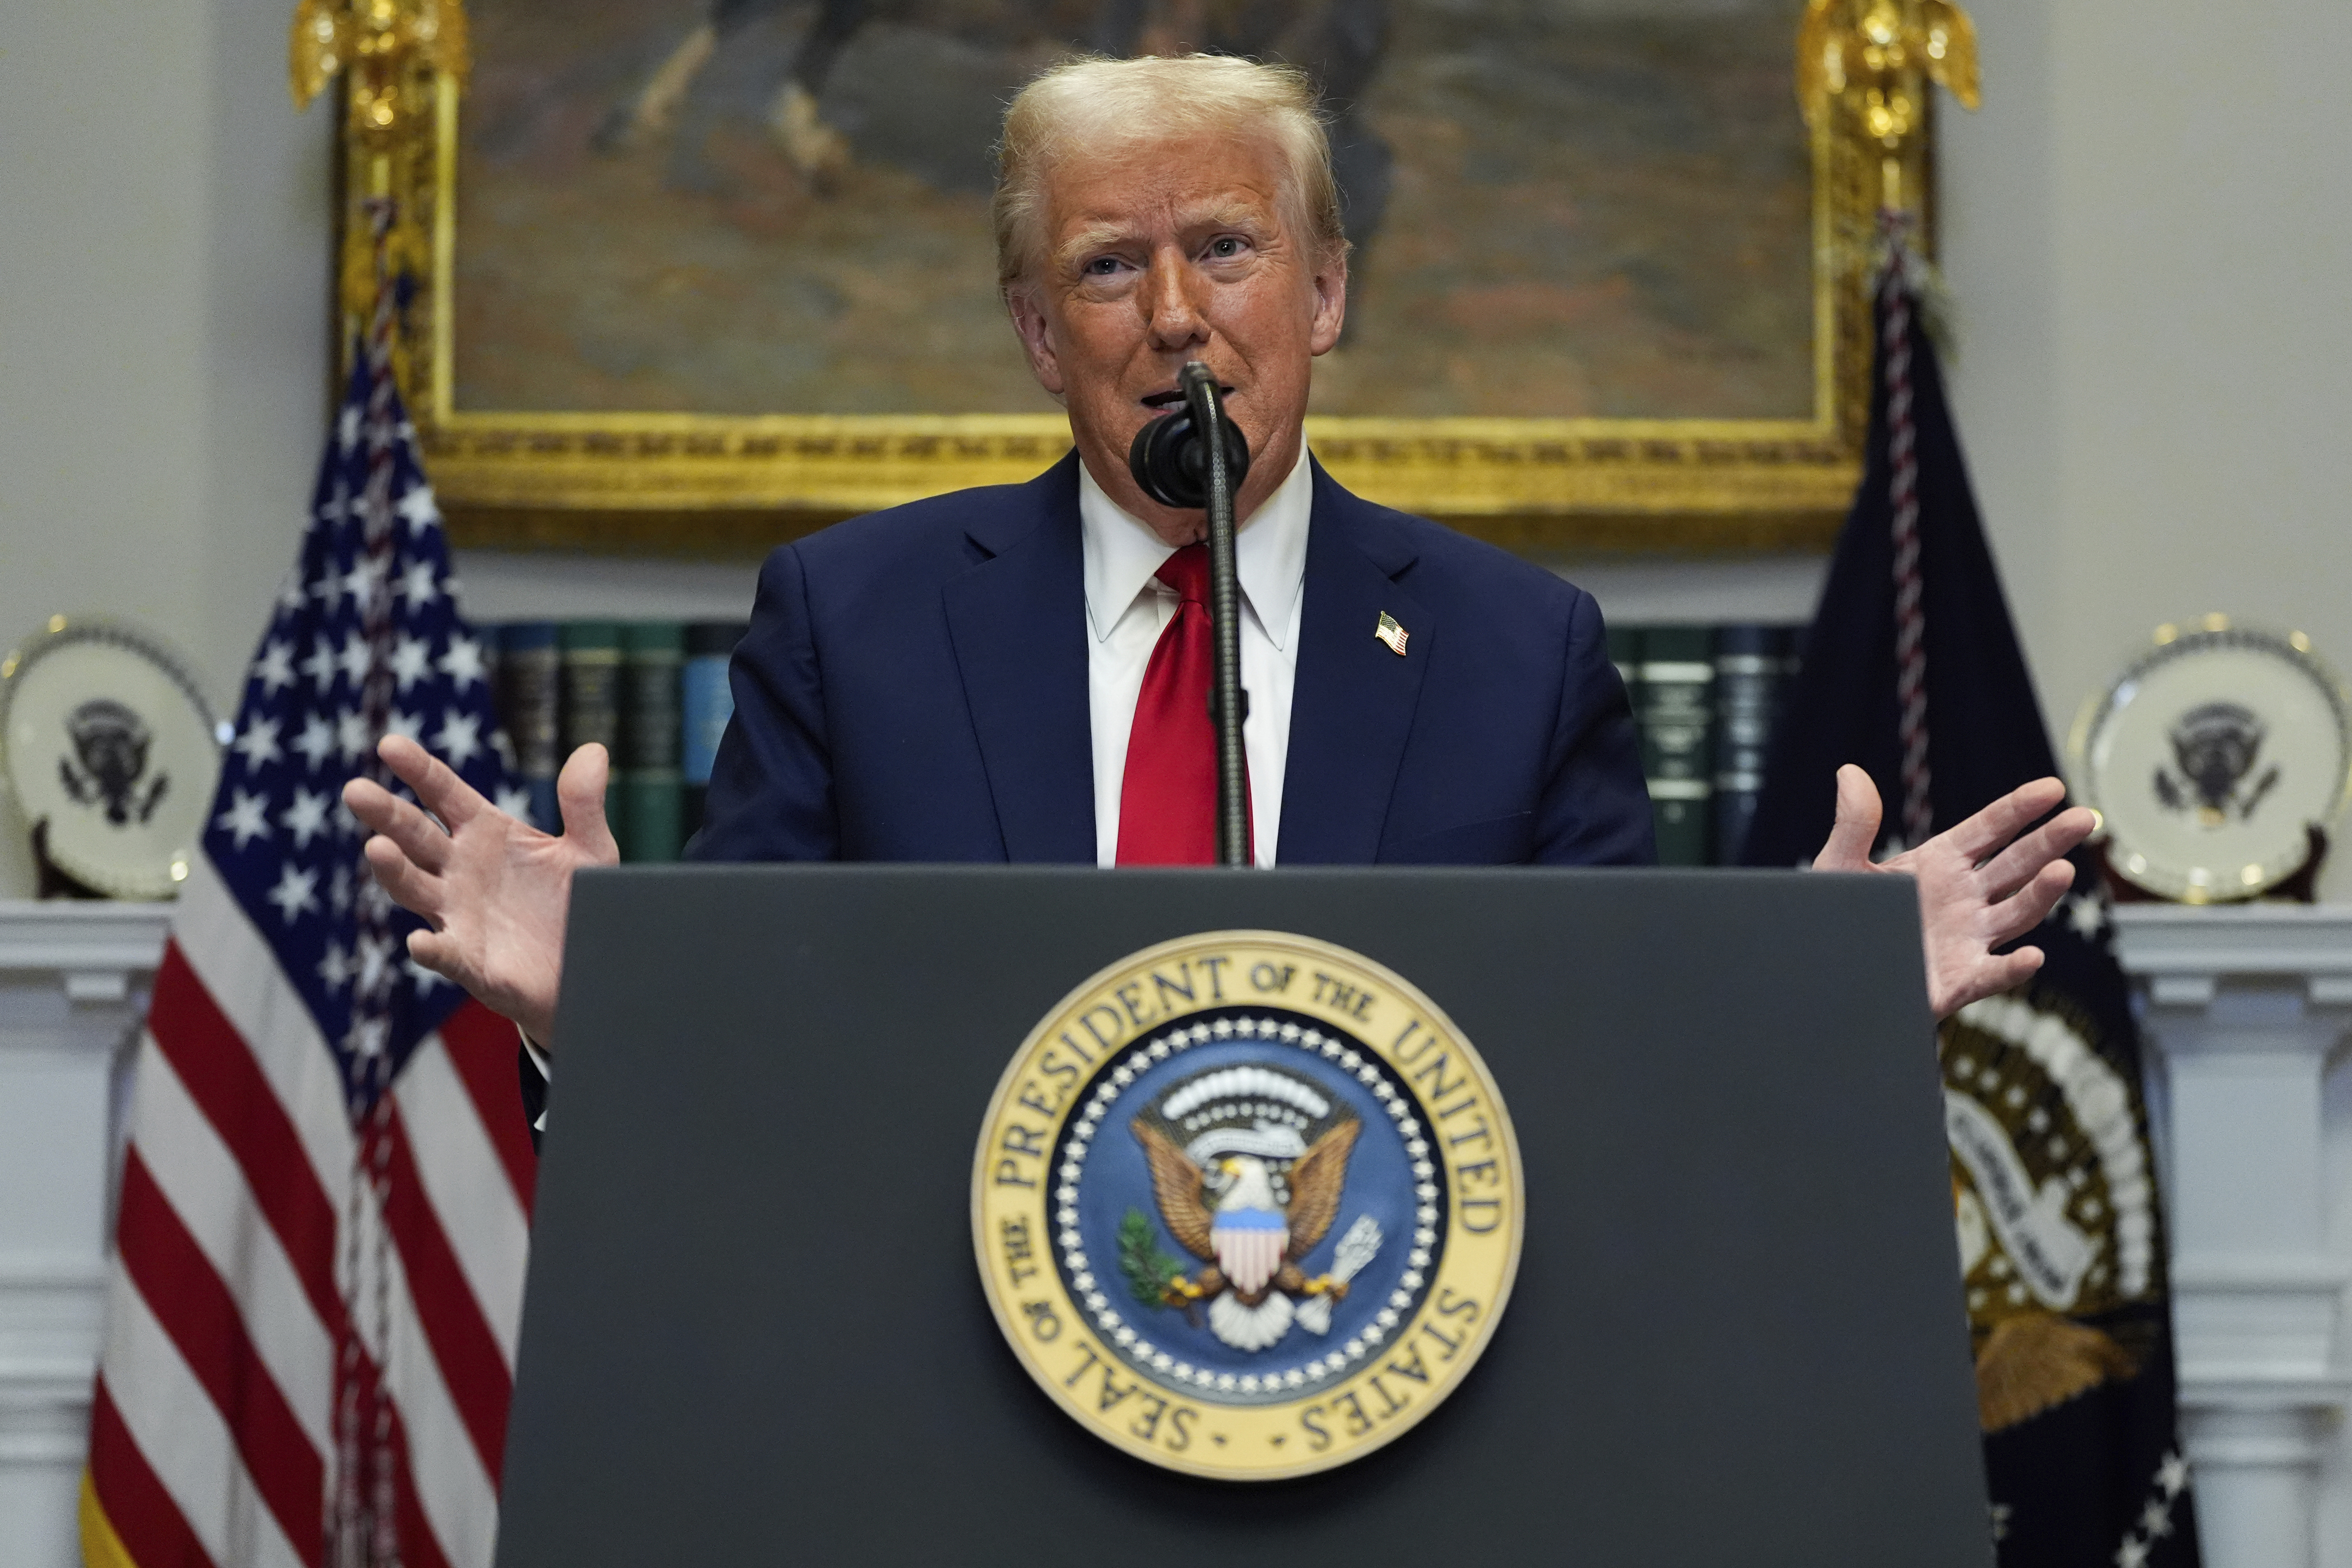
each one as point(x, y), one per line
point(1018, 622)
point(1352, 705)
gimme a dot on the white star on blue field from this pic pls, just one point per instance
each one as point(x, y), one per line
point(365, 641)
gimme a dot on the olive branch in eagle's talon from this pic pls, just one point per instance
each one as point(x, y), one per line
point(1152, 1276)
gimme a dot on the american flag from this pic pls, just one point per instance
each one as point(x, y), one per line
point(325, 1204)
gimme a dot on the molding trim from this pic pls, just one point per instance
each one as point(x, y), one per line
point(2245, 1006)
point(44, 1418)
point(2247, 1389)
point(2261, 1272)
point(2250, 1430)
point(52, 1311)
point(2307, 942)
point(82, 941)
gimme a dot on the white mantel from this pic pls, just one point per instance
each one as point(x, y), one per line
point(73, 985)
point(2244, 1009)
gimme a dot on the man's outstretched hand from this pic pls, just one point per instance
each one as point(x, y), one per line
point(494, 891)
point(1980, 885)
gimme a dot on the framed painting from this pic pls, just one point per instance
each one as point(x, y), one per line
point(699, 274)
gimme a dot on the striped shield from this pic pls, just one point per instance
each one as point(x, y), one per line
point(1249, 1244)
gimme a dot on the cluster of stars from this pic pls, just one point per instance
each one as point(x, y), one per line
point(1247, 1110)
point(2154, 1521)
point(364, 641)
point(339, 734)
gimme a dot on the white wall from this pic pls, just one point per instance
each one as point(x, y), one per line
point(2148, 228)
point(162, 322)
point(499, 587)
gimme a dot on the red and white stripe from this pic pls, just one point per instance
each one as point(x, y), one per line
point(212, 1432)
point(1249, 1255)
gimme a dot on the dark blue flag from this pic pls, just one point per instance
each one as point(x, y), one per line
point(1912, 670)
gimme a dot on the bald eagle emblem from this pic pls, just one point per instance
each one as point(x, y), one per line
point(1216, 1218)
point(1250, 1197)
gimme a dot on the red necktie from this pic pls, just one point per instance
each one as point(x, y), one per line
point(1168, 795)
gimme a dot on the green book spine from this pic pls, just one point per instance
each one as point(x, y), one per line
point(651, 822)
point(530, 704)
point(591, 688)
point(592, 684)
point(1675, 709)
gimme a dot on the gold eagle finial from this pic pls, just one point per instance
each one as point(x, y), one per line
point(376, 42)
point(395, 58)
point(1874, 59)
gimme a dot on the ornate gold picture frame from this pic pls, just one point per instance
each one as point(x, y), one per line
point(714, 485)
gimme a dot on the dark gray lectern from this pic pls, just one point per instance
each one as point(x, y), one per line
point(755, 1334)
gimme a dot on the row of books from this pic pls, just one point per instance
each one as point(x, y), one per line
point(1708, 698)
point(654, 692)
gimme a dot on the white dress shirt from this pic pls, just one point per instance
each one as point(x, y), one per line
point(1127, 607)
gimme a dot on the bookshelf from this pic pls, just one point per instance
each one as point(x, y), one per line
point(1705, 695)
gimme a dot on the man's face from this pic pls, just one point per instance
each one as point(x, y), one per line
point(1158, 254)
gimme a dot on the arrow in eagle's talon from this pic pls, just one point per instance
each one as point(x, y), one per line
point(1327, 1284)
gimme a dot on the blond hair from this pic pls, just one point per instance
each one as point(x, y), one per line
point(1091, 103)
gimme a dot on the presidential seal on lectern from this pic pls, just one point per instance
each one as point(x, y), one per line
point(1247, 1205)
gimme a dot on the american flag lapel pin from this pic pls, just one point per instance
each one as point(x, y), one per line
point(1388, 632)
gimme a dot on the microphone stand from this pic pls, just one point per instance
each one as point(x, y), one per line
point(1226, 703)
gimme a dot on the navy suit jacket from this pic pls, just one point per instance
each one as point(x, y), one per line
point(914, 688)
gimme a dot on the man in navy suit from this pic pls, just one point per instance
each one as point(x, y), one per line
point(1016, 674)
point(915, 687)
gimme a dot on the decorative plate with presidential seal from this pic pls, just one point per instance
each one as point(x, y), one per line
point(1247, 1205)
point(107, 742)
point(2213, 756)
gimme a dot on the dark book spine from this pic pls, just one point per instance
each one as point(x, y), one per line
point(592, 687)
point(1625, 653)
point(1750, 671)
point(1792, 662)
point(709, 703)
point(650, 821)
point(592, 684)
point(1676, 714)
point(529, 705)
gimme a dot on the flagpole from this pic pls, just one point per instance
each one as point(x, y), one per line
point(1894, 309)
point(391, 59)
point(1864, 69)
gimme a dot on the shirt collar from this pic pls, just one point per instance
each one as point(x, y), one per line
point(1270, 553)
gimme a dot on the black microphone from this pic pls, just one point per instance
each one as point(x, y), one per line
point(1171, 462)
point(1175, 467)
